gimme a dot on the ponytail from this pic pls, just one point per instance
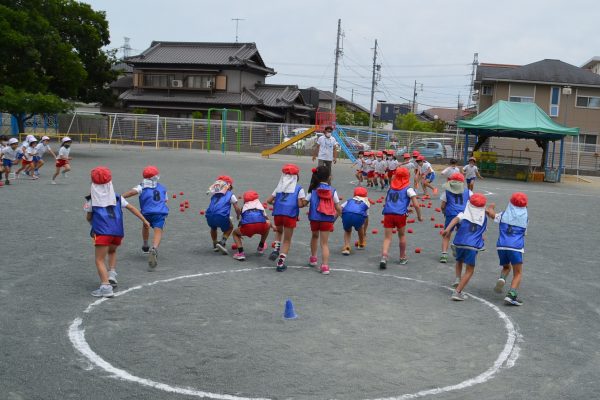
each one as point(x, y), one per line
point(320, 174)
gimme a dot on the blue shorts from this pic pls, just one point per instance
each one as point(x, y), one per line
point(218, 222)
point(7, 163)
point(352, 220)
point(364, 173)
point(156, 220)
point(36, 158)
point(430, 176)
point(469, 180)
point(510, 257)
point(467, 256)
point(449, 219)
point(19, 156)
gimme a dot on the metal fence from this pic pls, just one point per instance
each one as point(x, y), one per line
point(38, 124)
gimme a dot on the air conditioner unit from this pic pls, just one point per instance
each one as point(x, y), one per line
point(208, 84)
point(176, 83)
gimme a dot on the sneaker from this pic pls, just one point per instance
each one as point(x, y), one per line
point(346, 251)
point(274, 254)
point(215, 248)
point(103, 291)
point(383, 263)
point(361, 246)
point(312, 261)
point(153, 259)
point(444, 258)
point(112, 278)
point(324, 269)
point(145, 249)
point(458, 296)
point(53, 182)
point(403, 261)
point(37, 173)
point(281, 265)
point(499, 285)
point(261, 250)
point(239, 256)
point(222, 246)
point(456, 282)
point(35, 177)
point(7, 182)
point(512, 299)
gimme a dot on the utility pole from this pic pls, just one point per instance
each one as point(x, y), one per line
point(414, 102)
point(373, 84)
point(237, 21)
point(338, 54)
point(473, 70)
point(352, 97)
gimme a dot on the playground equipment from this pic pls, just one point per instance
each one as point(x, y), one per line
point(286, 144)
point(223, 126)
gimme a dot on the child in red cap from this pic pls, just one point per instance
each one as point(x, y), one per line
point(399, 198)
point(287, 198)
point(105, 215)
point(355, 214)
point(426, 175)
point(254, 221)
point(219, 210)
point(511, 244)
point(359, 164)
point(471, 173)
point(153, 205)
point(469, 241)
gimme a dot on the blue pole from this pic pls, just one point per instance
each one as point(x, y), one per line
point(466, 147)
point(560, 167)
point(553, 152)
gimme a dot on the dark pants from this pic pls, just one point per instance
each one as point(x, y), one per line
point(327, 164)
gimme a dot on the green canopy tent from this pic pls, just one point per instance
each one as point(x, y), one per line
point(518, 120)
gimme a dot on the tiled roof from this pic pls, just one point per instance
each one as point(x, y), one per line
point(445, 114)
point(326, 95)
point(124, 82)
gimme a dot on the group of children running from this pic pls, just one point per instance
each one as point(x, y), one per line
point(29, 154)
point(465, 213)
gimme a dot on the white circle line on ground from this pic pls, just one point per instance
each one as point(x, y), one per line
point(76, 333)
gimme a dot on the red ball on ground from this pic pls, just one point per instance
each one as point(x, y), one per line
point(233, 246)
point(182, 209)
point(374, 231)
point(201, 212)
point(1, 183)
point(187, 205)
point(409, 230)
point(433, 218)
point(265, 205)
point(418, 250)
point(438, 210)
point(174, 196)
point(181, 193)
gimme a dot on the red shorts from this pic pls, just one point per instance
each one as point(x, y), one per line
point(383, 176)
point(25, 162)
point(285, 221)
point(391, 173)
point(371, 174)
point(394, 221)
point(258, 228)
point(321, 226)
point(61, 163)
point(107, 240)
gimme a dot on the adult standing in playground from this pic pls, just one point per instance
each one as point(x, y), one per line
point(326, 149)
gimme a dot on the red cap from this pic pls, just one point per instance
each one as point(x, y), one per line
point(478, 200)
point(406, 155)
point(225, 178)
point(314, 170)
point(250, 195)
point(101, 175)
point(401, 178)
point(361, 192)
point(416, 153)
point(290, 169)
point(457, 177)
point(518, 199)
point(380, 154)
point(421, 158)
point(390, 152)
point(150, 171)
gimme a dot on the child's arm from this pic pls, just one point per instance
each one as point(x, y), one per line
point(338, 209)
point(335, 154)
point(443, 207)
point(129, 193)
point(138, 214)
point(415, 205)
point(478, 174)
point(51, 152)
point(491, 211)
point(238, 210)
point(450, 226)
point(270, 199)
point(315, 152)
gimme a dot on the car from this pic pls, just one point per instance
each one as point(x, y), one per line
point(432, 149)
point(354, 144)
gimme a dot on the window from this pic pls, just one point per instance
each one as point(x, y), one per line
point(487, 90)
point(554, 101)
point(521, 93)
point(518, 99)
point(588, 142)
point(153, 80)
point(200, 82)
point(588, 101)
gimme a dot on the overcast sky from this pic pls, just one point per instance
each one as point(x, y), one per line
point(431, 42)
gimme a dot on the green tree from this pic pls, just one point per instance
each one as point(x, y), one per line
point(408, 122)
point(51, 54)
point(343, 116)
point(437, 125)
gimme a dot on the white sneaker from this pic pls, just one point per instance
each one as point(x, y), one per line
point(499, 285)
point(112, 278)
point(53, 182)
point(103, 291)
point(456, 282)
point(458, 296)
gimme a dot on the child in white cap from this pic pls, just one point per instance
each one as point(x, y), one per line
point(63, 159)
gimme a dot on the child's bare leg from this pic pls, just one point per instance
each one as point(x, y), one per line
point(324, 239)
point(402, 237)
point(458, 269)
point(56, 173)
point(157, 237)
point(66, 168)
point(112, 258)
point(227, 233)
point(505, 271)
point(362, 232)
point(100, 253)
point(145, 234)
point(347, 238)
point(446, 243)
point(387, 240)
point(287, 239)
point(314, 243)
point(213, 235)
point(465, 278)
point(237, 238)
point(517, 276)
point(265, 235)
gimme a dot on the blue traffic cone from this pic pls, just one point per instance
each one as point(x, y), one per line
point(289, 312)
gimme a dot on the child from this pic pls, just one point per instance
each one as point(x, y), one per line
point(23, 147)
point(41, 149)
point(511, 244)
point(105, 215)
point(254, 221)
point(323, 210)
point(380, 167)
point(471, 173)
point(9, 157)
point(398, 199)
point(451, 169)
point(219, 210)
point(468, 242)
point(359, 165)
point(369, 168)
point(355, 214)
point(454, 200)
point(426, 175)
point(63, 159)
point(416, 170)
point(392, 164)
point(153, 205)
point(287, 199)
point(27, 161)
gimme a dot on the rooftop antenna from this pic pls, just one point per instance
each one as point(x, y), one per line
point(126, 47)
point(237, 22)
point(473, 71)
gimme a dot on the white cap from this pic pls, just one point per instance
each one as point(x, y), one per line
point(13, 141)
point(28, 138)
point(66, 139)
point(32, 139)
point(45, 138)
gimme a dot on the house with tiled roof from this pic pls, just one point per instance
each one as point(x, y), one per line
point(175, 79)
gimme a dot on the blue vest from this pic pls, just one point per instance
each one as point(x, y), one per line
point(220, 204)
point(456, 203)
point(396, 202)
point(355, 207)
point(470, 235)
point(154, 201)
point(512, 237)
point(108, 220)
point(286, 204)
point(253, 216)
point(313, 214)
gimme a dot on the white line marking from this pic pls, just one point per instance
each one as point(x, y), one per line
point(506, 359)
point(548, 192)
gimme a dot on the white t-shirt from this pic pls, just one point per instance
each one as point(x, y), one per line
point(88, 204)
point(63, 153)
point(470, 171)
point(326, 146)
point(336, 199)
point(368, 165)
point(24, 145)
point(410, 192)
point(301, 194)
point(443, 195)
point(380, 166)
point(392, 164)
point(450, 171)
point(42, 149)
point(359, 163)
point(9, 153)
point(29, 153)
point(426, 168)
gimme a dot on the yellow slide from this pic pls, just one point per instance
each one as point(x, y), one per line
point(281, 146)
